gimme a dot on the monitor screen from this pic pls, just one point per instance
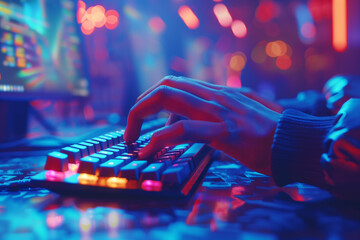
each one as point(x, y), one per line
point(41, 50)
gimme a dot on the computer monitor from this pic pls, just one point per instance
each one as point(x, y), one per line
point(41, 57)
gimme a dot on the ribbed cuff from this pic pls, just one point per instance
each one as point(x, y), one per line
point(297, 148)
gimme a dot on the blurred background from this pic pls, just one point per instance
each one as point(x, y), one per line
point(275, 47)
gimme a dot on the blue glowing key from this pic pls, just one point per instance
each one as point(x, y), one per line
point(83, 150)
point(101, 157)
point(153, 171)
point(88, 165)
point(111, 168)
point(73, 154)
point(132, 170)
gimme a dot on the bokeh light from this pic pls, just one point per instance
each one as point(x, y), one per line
point(237, 62)
point(276, 48)
point(96, 17)
point(223, 15)
point(283, 62)
point(156, 24)
point(189, 17)
point(308, 30)
point(239, 29)
point(233, 81)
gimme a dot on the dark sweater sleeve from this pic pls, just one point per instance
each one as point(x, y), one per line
point(297, 148)
point(322, 151)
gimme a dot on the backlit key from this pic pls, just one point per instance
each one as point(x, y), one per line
point(90, 147)
point(116, 151)
point(83, 150)
point(101, 157)
point(153, 171)
point(97, 145)
point(89, 165)
point(57, 161)
point(111, 168)
point(109, 140)
point(125, 158)
point(174, 175)
point(109, 154)
point(72, 153)
point(121, 149)
point(132, 170)
point(103, 142)
point(189, 161)
point(131, 155)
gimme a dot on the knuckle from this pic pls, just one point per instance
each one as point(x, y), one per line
point(169, 80)
point(162, 92)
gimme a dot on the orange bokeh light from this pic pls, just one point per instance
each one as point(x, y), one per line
point(189, 17)
point(237, 62)
point(276, 48)
point(339, 21)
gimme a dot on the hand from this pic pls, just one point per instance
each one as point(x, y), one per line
point(219, 116)
point(339, 89)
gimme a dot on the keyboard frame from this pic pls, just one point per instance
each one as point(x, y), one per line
point(182, 192)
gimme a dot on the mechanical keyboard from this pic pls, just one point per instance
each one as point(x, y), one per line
point(106, 166)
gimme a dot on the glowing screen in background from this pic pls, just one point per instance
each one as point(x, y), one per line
point(40, 48)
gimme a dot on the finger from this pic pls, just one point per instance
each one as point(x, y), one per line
point(199, 88)
point(172, 119)
point(171, 100)
point(183, 131)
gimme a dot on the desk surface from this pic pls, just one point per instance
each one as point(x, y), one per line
point(232, 202)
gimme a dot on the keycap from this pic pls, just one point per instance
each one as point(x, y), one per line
point(152, 172)
point(103, 142)
point(57, 161)
point(125, 146)
point(101, 157)
point(167, 158)
point(185, 165)
point(189, 161)
point(83, 150)
point(125, 158)
point(108, 140)
point(90, 147)
point(121, 149)
point(88, 165)
point(192, 151)
point(173, 156)
point(174, 175)
point(120, 136)
point(115, 138)
point(116, 152)
point(181, 147)
point(131, 155)
point(132, 170)
point(97, 145)
point(72, 153)
point(111, 168)
point(168, 162)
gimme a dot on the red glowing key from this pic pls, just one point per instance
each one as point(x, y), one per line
point(57, 161)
